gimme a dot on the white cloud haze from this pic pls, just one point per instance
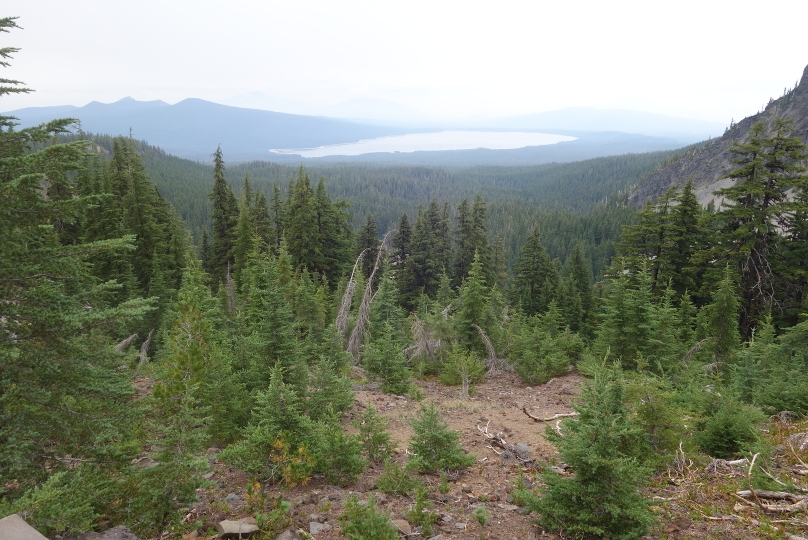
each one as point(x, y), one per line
point(712, 60)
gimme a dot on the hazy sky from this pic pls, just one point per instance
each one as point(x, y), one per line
point(705, 59)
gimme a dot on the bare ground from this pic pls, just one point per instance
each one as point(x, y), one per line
point(690, 502)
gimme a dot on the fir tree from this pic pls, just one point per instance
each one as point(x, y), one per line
point(225, 220)
point(602, 498)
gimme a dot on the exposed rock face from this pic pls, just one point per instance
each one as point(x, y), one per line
point(709, 163)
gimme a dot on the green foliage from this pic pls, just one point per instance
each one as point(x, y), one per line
point(337, 454)
point(539, 351)
point(373, 435)
point(481, 515)
point(276, 519)
point(462, 368)
point(383, 358)
point(420, 514)
point(729, 429)
point(602, 498)
point(396, 480)
point(362, 522)
point(434, 445)
point(328, 390)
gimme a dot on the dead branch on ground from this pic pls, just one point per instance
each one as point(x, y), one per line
point(549, 419)
point(125, 343)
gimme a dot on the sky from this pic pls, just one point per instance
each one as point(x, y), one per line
point(711, 60)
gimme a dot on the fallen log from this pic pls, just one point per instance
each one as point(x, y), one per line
point(550, 419)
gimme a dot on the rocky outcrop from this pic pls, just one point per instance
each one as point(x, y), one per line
point(708, 164)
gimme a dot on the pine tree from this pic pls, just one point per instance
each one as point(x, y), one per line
point(434, 446)
point(534, 274)
point(473, 310)
point(602, 498)
point(225, 220)
point(753, 210)
point(61, 394)
point(368, 242)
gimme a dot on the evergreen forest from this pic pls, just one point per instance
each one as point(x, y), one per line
point(152, 308)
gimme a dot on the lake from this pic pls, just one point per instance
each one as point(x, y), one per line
point(442, 140)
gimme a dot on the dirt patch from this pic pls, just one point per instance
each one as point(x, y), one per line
point(690, 502)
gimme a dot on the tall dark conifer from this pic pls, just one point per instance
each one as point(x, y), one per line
point(225, 220)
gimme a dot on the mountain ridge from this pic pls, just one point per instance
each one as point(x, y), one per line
point(709, 163)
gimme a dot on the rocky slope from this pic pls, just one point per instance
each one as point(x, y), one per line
point(707, 164)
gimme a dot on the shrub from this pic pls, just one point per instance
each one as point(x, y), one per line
point(462, 368)
point(373, 435)
point(396, 480)
point(337, 454)
point(729, 430)
point(365, 522)
point(435, 446)
point(420, 514)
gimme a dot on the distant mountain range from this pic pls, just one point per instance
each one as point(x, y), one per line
point(193, 128)
point(708, 164)
point(578, 119)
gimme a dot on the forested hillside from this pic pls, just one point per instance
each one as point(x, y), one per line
point(580, 202)
point(144, 379)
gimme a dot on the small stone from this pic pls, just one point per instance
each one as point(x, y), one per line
point(319, 518)
point(461, 526)
point(522, 447)
point(118, 533)
point(437, 537)
point(234, 529)
point(526, 482)
point(507, 506)
point(311, 498)
point(316, 528)
point(288, 535)
point(509, 498)
point(208, 475)
point(14, 527)
point(466, 488)
point(403, 526)
point(446, 518)
point(232, 498)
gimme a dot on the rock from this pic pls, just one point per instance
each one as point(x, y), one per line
point(288, 535)
point(118, 533)
point(403, 526)
point(232, 529)
point(508, 506)
point(193, 535)
point(522, 447)
point(461, 526)
point(437, 537)
point(316, 528)
point(14, 527)
point(445, 518)
point(145, 462)
point(232, 498)
point(509, 498)
point(311, 498)
point(319, 518)
point(466, 488)
point(208, 475)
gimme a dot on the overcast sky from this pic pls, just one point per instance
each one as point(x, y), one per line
point(713, 60)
